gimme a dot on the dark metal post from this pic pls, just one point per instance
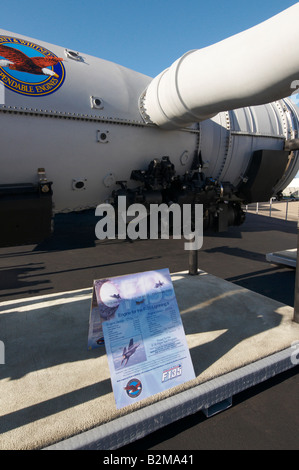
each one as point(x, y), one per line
point(193, 262)
point(296, 301)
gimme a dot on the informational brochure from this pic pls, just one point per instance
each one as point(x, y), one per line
point(137, 319)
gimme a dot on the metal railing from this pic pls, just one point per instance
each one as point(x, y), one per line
point(257, 208)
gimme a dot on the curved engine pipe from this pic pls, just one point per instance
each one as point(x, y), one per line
point(254, 67)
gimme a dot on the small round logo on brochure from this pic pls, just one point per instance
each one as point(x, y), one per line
point(133, 388)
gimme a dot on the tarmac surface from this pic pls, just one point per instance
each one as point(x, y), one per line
point(263, 417)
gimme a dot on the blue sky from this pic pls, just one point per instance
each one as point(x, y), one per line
point(144, 35)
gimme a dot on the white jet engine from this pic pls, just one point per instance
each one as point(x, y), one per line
point(216, 128)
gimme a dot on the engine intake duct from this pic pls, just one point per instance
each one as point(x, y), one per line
point(257, 66)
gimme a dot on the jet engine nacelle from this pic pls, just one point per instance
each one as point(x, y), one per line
point(216, 128)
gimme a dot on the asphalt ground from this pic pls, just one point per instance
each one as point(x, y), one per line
point(265, 416)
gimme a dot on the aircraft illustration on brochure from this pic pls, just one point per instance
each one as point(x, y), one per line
point(127, 353)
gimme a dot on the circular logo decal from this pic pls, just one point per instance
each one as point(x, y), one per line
point(29, 69)
point(134, 388)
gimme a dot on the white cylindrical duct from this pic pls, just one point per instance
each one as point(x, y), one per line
point(257, 66)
